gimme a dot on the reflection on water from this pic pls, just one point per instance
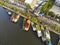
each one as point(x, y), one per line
point(11, 34)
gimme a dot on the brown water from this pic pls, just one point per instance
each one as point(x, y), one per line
point(12, 34)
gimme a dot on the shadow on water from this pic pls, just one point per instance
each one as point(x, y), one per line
point(54, 38)
point(12, 34)
point(35, 33)
point(20, 22)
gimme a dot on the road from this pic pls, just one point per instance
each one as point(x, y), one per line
point(12, 34)
point(48, 21)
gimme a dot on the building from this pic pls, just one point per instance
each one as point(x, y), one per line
point(17, 1)
point(56, 7)
point(56, 10)
point(57, 2)
point(21, 0)
point(34, 3)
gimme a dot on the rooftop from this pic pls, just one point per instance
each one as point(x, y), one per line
point(28, 1)
point(56, 9)
point(22, 0)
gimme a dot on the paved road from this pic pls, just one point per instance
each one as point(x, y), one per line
point(48, 21)
point(12, 34)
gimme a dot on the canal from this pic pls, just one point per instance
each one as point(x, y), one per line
point(13, 34)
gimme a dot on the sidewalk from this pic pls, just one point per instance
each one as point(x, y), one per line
point(48, 21)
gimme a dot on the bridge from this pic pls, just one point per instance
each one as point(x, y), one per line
point(20, 11)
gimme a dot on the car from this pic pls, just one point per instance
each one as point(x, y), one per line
point(9, 13)
point(57, 19)
point(18, 4)
point(14, 18)
point(39, 13)
point(49, 17)
point(36, 13)
point(27, 25)
point(12, 1)
point(33, 26)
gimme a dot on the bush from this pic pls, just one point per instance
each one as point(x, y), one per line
point(27, 14)
point(38, 27)
point(34, 19)
point(28, 6)
point(47, 6)
point(52, 14)
point(24, 22)
point(56, 28)
point(2, 3)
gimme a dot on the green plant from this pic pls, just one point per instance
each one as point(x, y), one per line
point(2, 3)
point(38, 27)
point(24, 22)
point(56, 28)
point(28, 6)
point(27, 14)
point(48, 5)
point(52, 14)
point(34, 19)
point(44, 7)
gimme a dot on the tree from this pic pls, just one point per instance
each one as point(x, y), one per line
point(28, 6)
point(56, 27)
point(55, 16)
point(48, 5)
point(38, 27)
point(52, 14)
